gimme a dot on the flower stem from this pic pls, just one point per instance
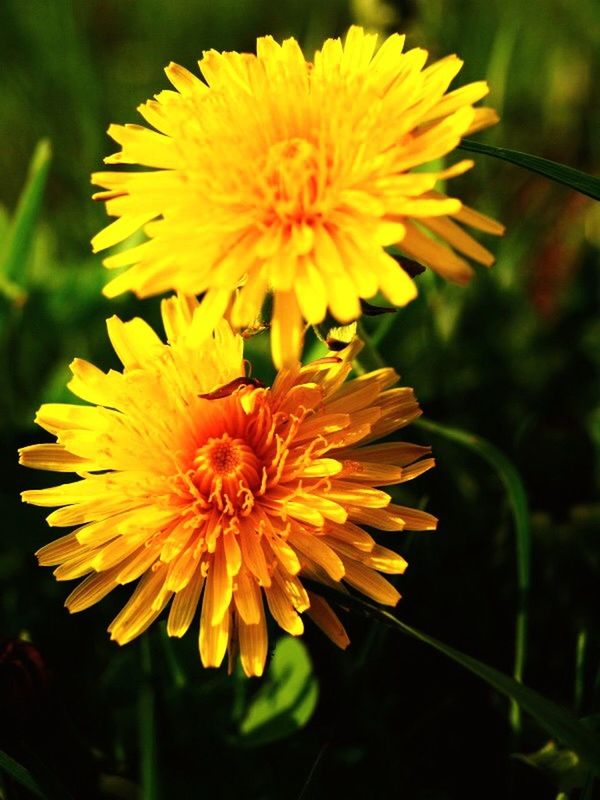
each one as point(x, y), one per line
point(147, 725)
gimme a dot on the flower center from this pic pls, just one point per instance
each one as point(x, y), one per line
point(224, 456)
point(292, 180)
point(228, 473)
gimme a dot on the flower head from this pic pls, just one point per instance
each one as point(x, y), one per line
point(281, 174)
point(205, 487)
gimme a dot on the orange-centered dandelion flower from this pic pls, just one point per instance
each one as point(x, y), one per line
point(206, 488)
point(281, 174)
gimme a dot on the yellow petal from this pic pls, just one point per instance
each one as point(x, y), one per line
point(482, 222)
point(53, 457)
point(143, 607)
point(143, 146)
point(385, 560)
point(59, 550)
point(119, 230)
point(440, 258)
point(184, 81)
point(325, 617)
point(280, 606)
point(247, 598)
point(253, 554)
point(318, 551)
point(396, 285)
point(414, 519)
point(461, 241)
point(91, 590)
point(219, 588)
point(184, 605)
point(369, 582)
point(134, 342)
point(352, 535)
point(286, 329)
point(213, 638)
point(253, 645)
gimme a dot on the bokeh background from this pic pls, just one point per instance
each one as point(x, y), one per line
point(513, 357)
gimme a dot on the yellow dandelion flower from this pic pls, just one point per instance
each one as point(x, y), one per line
point(281, 174)
point(207, 488)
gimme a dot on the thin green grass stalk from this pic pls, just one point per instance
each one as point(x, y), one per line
point(580, 651)
point(370, 357)
point(517, 499)
point(21, 775)
point(147, 725)
point(177, 674)
point(587, 791)
point(558, 722)
point(501, 54)
point(17, 243)
point(384, 327)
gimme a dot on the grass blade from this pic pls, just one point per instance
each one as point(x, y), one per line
point(568, 176)
point(555, 719)
point(19, 238)
point(559, 722)
point(517, 499)
point(178, 676)
point(370, 358)
point(21, 775)
point(147, 726)
point(580, 650)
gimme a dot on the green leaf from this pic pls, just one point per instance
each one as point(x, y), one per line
point(286, 700)
point(18, 240)
point(557, 721)
point(21, 775)
point(568, 176)
point(517, 499)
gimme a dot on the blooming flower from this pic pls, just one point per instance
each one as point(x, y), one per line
point(285, 175)
point(205, 487)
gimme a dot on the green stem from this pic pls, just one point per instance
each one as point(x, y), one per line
point(580, 649)
point(384, 327)
point(147, 726)
point(370, 358)
point(557, 721)
point(21, 775)
point(520, 510)
point(178, 676)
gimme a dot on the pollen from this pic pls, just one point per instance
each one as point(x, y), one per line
point(222, 455)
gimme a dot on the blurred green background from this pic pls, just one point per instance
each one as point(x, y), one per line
point(514, 358)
